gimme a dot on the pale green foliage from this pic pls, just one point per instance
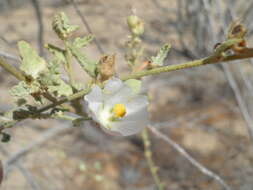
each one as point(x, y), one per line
point(134, 84)
point(88, 65)
point(61, 89)
point(82, 42)
point(62, 27)
point(52, 80)
point(32, 63)
point(42, 79)
point(136, 25)
point(57, 52)
point(158, 60)
point(23, 89)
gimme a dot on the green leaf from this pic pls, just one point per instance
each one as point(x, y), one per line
point(32, 63)
point(82, 42)
point(87, 65)
point(158, 60)
point(134, 84)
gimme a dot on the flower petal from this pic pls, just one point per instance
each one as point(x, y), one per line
point(141, 114)
point(126, 128)
point(136, 103)
point(112, 86)
point(100, 103)
point(95, 95)
point(120, 97)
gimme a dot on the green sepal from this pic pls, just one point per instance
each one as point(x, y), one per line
point(134, 84)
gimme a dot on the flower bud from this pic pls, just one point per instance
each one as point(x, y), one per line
point(136, 25)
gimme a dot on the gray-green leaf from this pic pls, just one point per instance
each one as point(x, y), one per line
point(82, 42)
point(62, 89)
point(57, 52)
point(88, 65)
point(21, 90)
point(32, 63)
point(158, 60)
point(62, 26)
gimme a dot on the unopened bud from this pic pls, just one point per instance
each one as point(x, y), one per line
point(136, 25)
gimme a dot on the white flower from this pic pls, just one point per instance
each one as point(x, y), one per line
point(117, 108)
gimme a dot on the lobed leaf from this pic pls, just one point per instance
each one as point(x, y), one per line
point(87, 65)
point(53, 82)
point(57, 52)
point(62, 27)
point(82, 42)
point(158, 60)
point(21, 90)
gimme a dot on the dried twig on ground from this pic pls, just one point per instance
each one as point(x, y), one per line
point(45, 137)
point(26, 173)
point(9, 56)
point(194, 162)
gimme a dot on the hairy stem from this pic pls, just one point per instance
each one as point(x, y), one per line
point(151, 164)
point(217, 57)
point(69, 68)
point(11, 69)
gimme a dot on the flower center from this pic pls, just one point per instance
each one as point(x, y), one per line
point(119, 110)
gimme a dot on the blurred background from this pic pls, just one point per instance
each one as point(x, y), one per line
point(206, 111)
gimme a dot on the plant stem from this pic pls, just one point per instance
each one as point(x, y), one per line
point(151, 164)
point(217, 57)
point(69, 68)
point(11, 69)
point(70, 118)
point(208, 60)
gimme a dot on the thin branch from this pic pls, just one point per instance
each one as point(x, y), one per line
point(148, 154)
point(9, 56)
point(11, 69)
point(37, 8)
point(161, 8)
point(87, 26)
point(209, 60)
point(215, 58)
point(26, 173)
point(44, 138)
point(246, 80)
point(242, 105)
point(194, 162)
point(235, 88)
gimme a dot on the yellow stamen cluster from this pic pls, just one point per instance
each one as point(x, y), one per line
point(119, 110)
